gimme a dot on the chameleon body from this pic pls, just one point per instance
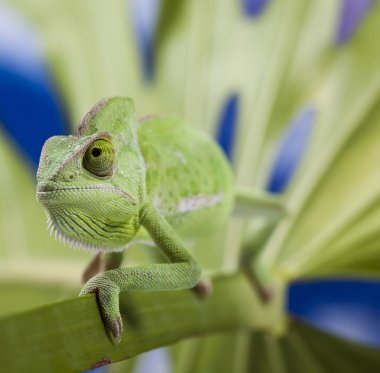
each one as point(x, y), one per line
point(116, 177)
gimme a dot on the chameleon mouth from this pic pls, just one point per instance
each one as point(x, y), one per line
point(45, 188)
point(46, 191)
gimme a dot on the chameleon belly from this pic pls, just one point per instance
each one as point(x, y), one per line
point(188, 178)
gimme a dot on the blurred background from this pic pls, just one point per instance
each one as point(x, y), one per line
point(289, 89)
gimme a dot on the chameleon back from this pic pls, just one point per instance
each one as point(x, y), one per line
point(188, 178)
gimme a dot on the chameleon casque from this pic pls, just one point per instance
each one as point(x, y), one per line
point(116, 178)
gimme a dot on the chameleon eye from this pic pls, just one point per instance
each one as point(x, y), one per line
point(99, 158)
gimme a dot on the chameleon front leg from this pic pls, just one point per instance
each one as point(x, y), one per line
point(183, 272)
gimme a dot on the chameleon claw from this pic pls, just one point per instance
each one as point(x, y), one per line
point(204, 288)
point(115, 329)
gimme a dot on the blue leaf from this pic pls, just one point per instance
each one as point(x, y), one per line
point(351, 15)
point(291, 149)
point(226, 128)
point(30, 110)
point(345, 307)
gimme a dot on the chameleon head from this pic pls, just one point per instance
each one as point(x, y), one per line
point(91, 185)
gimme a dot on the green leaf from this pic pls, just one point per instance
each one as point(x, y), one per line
point(220, 352)
point(334, 194)
point(325, 353)
point(306, 349)
point(91, 49)
point(71, 335)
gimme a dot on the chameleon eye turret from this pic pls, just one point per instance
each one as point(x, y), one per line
point(99, 158)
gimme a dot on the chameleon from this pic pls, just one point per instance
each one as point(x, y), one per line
point(118, 178)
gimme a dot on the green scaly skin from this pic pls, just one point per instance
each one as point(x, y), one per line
point(114, 176)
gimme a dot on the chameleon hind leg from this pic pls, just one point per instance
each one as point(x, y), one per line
point(182, 272)
point(96, 266)
point(101, 263)
point(268, 210)
point(250, 203)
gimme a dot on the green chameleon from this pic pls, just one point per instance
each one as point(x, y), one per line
point(118, 179)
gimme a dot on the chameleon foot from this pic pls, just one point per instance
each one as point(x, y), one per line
point(261, 279)
point(204, 288)
point(107, 294)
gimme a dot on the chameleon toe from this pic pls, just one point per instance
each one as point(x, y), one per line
point(115, 328)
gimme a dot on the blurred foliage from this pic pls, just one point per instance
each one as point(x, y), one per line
point(275, 62)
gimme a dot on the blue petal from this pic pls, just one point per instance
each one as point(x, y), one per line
point(253, 8)
point(157, 361)
point(226, 128)
point(345, 307)
point(30, 110)
point(351, 15)
point(145, 16)
point(291, 149)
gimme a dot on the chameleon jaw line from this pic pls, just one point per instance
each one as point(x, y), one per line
point(46, 191)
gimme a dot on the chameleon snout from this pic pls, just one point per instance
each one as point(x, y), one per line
point(45, 190)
